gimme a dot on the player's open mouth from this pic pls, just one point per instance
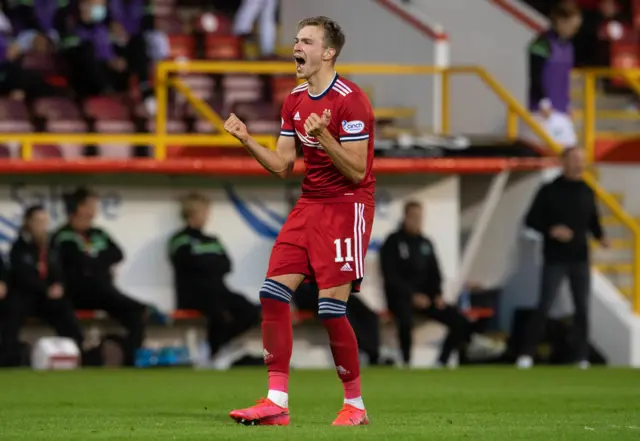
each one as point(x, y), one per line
point(299, 61)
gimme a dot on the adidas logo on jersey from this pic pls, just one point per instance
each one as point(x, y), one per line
point(296, 116)
point(346, 267)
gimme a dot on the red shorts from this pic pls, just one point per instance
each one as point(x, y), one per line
point(326, 242)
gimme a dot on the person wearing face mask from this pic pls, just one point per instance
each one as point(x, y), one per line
point(88, 258)
point(35, 287)
point(93, 66)
point(200, 264)
point(565, 212)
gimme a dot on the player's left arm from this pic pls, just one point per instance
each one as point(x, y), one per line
point(349, 154)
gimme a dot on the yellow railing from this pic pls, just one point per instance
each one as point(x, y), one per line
point(168, 75)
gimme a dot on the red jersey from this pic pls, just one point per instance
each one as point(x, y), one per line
point(351, 120)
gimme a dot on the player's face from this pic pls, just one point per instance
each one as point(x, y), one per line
point(309, 52)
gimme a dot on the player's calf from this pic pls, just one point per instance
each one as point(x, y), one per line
point(344, 347)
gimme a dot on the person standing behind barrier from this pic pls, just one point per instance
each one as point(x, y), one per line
point(564, 211)
point(551, 58)
point(200, 264)
point(88, 257)
point(35, 287)
point(246, 16)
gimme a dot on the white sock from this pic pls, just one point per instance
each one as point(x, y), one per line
point(279, 398)
point(355, 402)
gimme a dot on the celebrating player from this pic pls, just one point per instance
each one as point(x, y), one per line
point(326, 235)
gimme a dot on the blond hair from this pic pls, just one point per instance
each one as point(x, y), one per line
point(191, 202)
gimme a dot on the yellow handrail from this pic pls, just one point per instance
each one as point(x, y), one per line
point(167, 74)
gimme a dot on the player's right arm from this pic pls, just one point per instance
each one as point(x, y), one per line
point(278, 162)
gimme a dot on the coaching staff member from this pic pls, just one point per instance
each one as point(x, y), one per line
point(412, 284)
point(200, 264)
point(35, 287)
point(564, 211)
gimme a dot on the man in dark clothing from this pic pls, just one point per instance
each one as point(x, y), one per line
point(88, 257)
point(551, 58)
point(35, 288)
point(564, 211)
point(93, 66)
point(412, 283)
point(200, 264)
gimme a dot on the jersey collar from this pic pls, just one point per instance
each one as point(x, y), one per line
point(329, 87)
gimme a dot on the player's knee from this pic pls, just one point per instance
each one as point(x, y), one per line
point(329, 308)
point(275, 291)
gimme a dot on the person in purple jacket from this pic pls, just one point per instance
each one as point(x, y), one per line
point(94, 67)
point(33, 22)
point(551, 59)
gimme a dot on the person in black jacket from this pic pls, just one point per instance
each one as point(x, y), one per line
point(564, 211)
point(88, 258)
point(412, 283)
point(35, 287)
point(200, 264)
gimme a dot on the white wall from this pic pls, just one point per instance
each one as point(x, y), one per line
point(625, 179)
point(142, 217)
point(373, 36)
point(481, 34)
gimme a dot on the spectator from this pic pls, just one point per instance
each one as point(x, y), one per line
point(564, 211)
point(35, 287)
point(88, 259)
point(93, 66)
point(413, 284)
point(34, 23)
point(132, 26)
point(551, 58)
point(246, 17)
point(200, 264)
point(15, 81)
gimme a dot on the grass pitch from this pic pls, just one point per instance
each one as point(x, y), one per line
point(492, 404)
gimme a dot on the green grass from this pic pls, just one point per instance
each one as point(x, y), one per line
point(493, 404)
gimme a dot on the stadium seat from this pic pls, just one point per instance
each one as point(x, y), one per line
point(242, 88)
point(201, 86)
point(169, 24)
point(181, 47)
point(56, 109)
point(223, 47)
point(109, 150)
point(260, 117)
point(71, 125)
point(107, 108)
point(46, 151)
point(14, 118)
point(281, 87)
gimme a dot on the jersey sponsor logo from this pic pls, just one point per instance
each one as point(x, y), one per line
point(353, 127)
point(297, 116)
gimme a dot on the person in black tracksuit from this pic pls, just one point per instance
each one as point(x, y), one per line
point(564, 211)
point(200, 264)
point(88, 257)
point(412, 284)
point(35, 288)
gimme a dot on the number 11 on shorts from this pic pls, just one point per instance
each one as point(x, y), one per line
point(348, 250)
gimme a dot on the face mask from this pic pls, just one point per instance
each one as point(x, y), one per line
point(98, 13)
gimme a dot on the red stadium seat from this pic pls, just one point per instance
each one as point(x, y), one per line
point(14, 118)
point(281, 87)
point(223, 47)
point(56, 109)
point(110, 150)
point(242, 88)
point(169, 24)
point(182, 46)
point(106, 108)
point(69, 150)
point(44, 63)
point(47, 151)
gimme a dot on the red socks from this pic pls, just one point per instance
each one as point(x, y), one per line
point(344, 345)
point(277, 333)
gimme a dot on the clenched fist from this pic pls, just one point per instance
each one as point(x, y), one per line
point(236, 128)
point(315, 125)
